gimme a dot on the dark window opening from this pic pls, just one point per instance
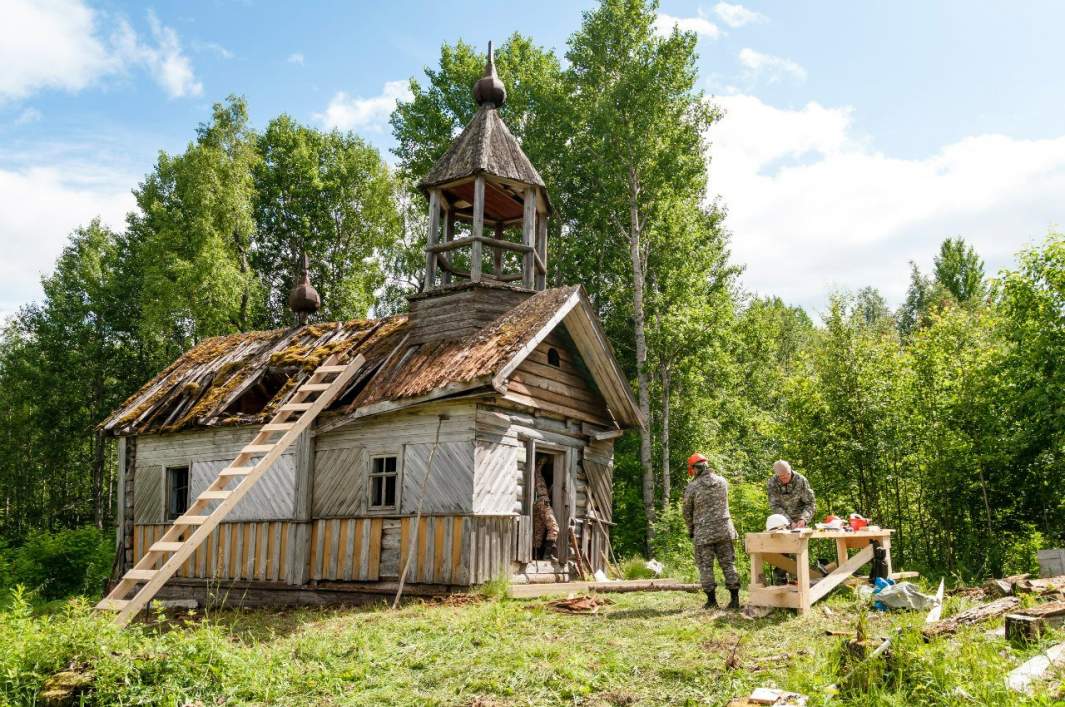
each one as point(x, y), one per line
point(384, 478)
point(177, 491)
point(553, 357)
point(258, 394)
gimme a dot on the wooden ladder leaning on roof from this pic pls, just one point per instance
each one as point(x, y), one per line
point(310, 399)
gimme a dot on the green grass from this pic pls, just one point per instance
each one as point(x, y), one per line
point(654, 648)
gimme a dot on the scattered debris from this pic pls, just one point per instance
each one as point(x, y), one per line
point(1045, 585)
point(458, 599)
point(770, 696)
point(1029, 624)
point(756, 612)
point(1021, 678)
point(936, 611)
point(583, 604)
point(655, 566)
point(971, 616)
point(65, 687)
point(1006, 586)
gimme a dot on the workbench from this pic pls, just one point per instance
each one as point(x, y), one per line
point(776, 548)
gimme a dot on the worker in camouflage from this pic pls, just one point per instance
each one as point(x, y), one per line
point(790, 495)
point(545, 526)
point(710, 528)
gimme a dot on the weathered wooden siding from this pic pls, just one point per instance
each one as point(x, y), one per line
point(565, 390)
point(343, 458)
point(252, 551)
point(203, 450)
point(498, 478)
point(346, 549)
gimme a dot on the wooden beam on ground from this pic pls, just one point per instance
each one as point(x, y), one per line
point(972, 616)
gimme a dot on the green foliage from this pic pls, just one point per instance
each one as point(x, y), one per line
point(672, 546)
point(635, 567)
point(960, 270)
point(58, 564)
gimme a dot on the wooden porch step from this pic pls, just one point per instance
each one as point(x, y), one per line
point(140, 575)
point(214, 495)
point(164, 546)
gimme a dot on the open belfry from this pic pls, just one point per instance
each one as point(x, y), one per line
point(333, 461)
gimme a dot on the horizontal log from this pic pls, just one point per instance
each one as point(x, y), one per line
point(971, 616)
point(470, 240)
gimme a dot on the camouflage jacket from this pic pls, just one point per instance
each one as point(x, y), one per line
point(706, 509)
point(795, 499)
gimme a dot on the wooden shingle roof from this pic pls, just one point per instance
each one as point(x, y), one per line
point(204, 387)
point(486, 146)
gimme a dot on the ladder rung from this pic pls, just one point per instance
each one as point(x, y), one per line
point(257, 448)
point(278, 426)
point(214, 495)
point(164, 546)
point(296, 406)
point(190, 520)
point(330, 369)
point(139, 574)
point(113, 604)
point(314, 387)
point(236, 471)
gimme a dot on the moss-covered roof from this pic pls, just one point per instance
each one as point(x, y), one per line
point(205, 386)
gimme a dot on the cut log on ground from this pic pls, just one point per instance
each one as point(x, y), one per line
point(1046, 585)
point(971, 616)
point(1028, 625)
point(652, 586)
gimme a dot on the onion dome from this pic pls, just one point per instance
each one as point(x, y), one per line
point(303, 299)
point(489, 89)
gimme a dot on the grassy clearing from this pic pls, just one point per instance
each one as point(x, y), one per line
point(643, 649)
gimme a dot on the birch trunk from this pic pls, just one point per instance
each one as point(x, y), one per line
point(666, 377)
point(643, 397)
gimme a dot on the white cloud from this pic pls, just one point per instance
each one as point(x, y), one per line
point(213, 48)
point(772, 69)
point(346, 112)
point(813, 207)
point(61, 44)
point(737, 15)
point(295, 58)
point(49, 44)
point(703, 27)
point(167, 64)
point(39, 207)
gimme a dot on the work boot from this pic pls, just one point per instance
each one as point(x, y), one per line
point(734, 602)
point(551, 550)
point(711, 600)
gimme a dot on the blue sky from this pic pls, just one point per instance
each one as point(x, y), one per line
point(857, 135)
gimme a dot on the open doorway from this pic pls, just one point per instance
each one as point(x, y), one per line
point(548, 530)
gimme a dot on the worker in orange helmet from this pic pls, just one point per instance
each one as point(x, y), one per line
point(710, 527)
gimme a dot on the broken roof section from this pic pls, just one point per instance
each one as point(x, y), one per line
point(207, 386)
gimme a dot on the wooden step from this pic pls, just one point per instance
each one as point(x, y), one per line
point(139, 575)
point(190, 520)
point(278, 426)
point(296, 406)
point(113, 604)
point(257, 449)
point(214, 495)
point(236, 471)
point(164, 546)
point(330, 369)
point(314, 387)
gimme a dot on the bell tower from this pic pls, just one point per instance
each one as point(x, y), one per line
point(488, 206)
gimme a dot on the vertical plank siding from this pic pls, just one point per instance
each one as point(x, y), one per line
point(245, 551)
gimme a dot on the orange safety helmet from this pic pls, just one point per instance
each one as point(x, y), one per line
point(693, 460)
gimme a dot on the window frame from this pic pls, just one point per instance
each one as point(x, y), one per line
point(168, 490)
point(371, 474)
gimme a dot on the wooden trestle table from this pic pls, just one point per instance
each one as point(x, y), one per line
point(773, 548)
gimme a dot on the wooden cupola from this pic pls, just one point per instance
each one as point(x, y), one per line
point(484, 182)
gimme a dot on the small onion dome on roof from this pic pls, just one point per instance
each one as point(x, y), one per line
point(303, 299)
point(489, 89)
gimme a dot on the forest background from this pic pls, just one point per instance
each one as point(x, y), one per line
point(943, 419)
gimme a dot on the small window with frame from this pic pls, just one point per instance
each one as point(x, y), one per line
point(384, 483)
point(177, 491)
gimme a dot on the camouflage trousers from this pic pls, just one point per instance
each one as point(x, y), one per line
point(725, 552)
point(545, 527)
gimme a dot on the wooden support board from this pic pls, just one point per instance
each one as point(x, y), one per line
point(774, 549)
point(177, 545)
